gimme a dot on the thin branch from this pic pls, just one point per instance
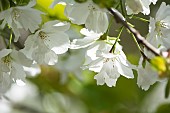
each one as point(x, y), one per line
point(140, 39)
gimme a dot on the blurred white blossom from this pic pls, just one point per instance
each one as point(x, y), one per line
point(21, 17)
point(71, 62)
point(11, 68)
point(23, 99)
point(136, 6)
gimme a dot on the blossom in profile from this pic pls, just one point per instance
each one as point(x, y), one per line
point(21, 17)
point(46, 43)
point(109, 66)
point(147, 76)
point(159, 27)
point(11, 68)
point(137, 6)
point(88, 13)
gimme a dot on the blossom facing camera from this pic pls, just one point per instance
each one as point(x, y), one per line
point(46, 43)
point(109, 66)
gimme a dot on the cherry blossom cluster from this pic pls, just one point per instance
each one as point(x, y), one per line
point(48, 43)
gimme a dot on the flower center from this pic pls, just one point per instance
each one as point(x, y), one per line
point(43, 35)
point(7, 60)
point(16, 14)
point(159, 25)
point(107, 59)
point(91, 7)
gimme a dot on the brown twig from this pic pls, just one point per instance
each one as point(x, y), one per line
point(140, 39)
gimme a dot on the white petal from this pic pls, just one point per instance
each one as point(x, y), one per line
point(33, 70)
point(31, 23)
point(134, 6)
point(110, 82)
point(5, 52)
point(111, 70)
point(53, 26)
point(97, 21)
point(17, 72)
point(77, 13)
point(51, 58)
point(5, 83)
point(100, 78)
point(146, 77)
point(88, 33)
point(146, 8)
point(39, 54)
point(82, 43)
point(6, 15)
point(58, 42)
point(95, 65)
point(163, 11)
point(122, 59)
point(15, 31)
point(124, 70)
point(19, 57)
point(103, 22)
point(30, 45)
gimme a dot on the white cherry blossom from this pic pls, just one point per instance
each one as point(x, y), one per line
point(21, 17)
point(89, 14)
point(11, 68)
point(109, 66)
point(46, 43)
point(136, 6)
point(5, 82)
point(70, 62)
point(147, 76)
point(159, 27)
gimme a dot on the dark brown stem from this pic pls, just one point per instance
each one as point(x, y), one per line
point(140, 39)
